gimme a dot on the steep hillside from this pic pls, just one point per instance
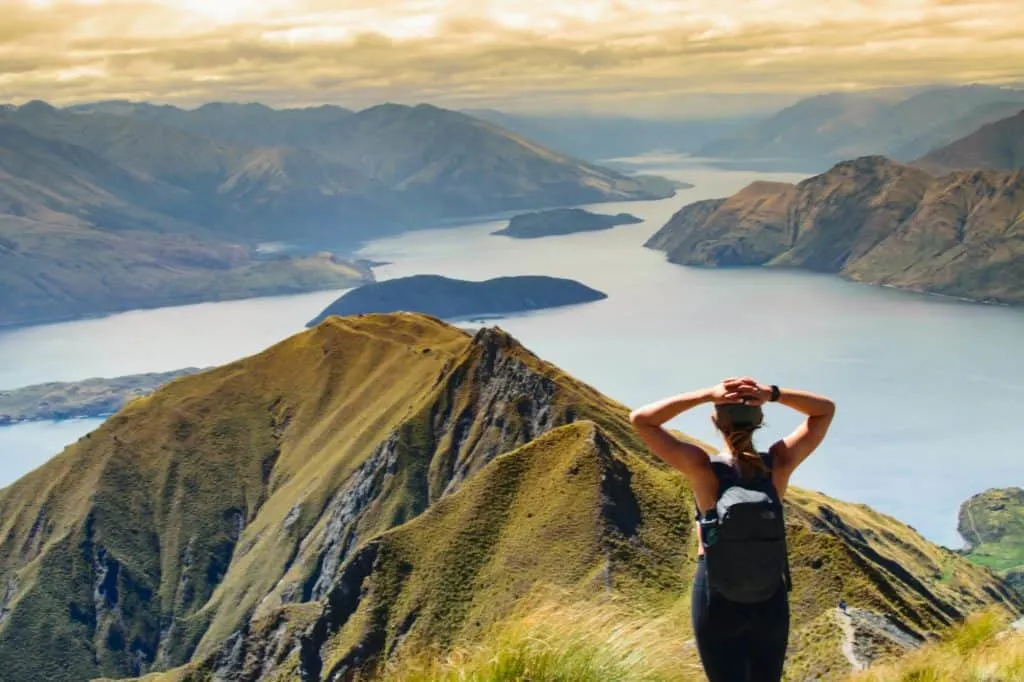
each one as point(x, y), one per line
point(44, 179)
point(58, 271)
point(996, 146)
point(234, 191)
point(992, 525)
point(380, 484)
point(871, 220)
point(894, 122)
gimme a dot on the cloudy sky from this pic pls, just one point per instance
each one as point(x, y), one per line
point(648, 57)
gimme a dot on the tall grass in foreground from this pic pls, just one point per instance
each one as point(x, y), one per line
point(980, 650)
point(558, 643)
point(605, 642)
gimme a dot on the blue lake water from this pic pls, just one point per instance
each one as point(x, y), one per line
point(928, 388)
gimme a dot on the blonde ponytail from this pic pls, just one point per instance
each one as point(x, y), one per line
point(741, 445)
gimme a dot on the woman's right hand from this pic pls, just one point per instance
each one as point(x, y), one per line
point(733, 390)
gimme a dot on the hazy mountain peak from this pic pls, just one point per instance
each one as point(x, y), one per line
point(37, 107)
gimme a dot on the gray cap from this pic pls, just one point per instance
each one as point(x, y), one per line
point(741, 414)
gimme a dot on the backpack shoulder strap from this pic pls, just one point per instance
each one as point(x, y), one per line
point(769, 459)
point(722, 472)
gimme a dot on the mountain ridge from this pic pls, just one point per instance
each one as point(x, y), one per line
point(381, 481)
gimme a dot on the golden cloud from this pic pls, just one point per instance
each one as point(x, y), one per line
point(647, 55)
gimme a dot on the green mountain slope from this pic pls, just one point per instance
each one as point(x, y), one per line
point(900, 123)
point(996, 146)
point(871, 220)
point(992, 524)
point(381, 483)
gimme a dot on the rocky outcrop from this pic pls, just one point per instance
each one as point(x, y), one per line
point(870, 220)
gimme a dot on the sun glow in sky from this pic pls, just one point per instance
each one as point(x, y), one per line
point(640, 56)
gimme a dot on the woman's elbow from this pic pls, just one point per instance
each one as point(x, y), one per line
point(637, 417)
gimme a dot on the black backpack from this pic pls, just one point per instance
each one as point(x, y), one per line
point(744, 536)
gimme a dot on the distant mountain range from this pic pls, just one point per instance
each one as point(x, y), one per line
point(871, 220)
point(95, 191)
point(996, 146)
point(388, 485)
point(601, 138)
point(822, 130)
point(326, 175)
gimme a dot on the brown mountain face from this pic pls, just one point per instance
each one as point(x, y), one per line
point(385, 484)
point(996, 146)
point(871, 220)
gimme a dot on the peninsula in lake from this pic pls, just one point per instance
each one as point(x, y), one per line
point(448, 298)
point(55, 401)
point(561, 221)
point(871, 220)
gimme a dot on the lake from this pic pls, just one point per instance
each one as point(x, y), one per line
point(927, 388)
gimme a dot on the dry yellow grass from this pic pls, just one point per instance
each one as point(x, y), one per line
point(556, 641)
point(980, 650)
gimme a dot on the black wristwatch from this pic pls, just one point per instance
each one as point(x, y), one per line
point(775, 394)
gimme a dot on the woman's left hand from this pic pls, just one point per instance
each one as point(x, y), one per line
point(751, 392)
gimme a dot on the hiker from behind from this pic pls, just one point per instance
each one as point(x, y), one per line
point(740, 605)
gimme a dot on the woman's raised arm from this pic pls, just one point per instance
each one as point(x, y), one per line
point(689, 459)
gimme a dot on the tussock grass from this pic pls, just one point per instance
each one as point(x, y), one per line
point(581, 642)
point(980, 650)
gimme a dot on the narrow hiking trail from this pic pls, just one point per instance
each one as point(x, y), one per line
point(974, 528)
point(849, 638)
point(861, 626)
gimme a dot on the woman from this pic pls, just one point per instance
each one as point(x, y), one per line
point(738, 641)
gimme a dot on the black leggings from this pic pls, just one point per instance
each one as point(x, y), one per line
point(739, 642)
